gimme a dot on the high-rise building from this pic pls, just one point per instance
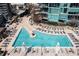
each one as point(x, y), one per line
point(2, 21)
point(5, 12)
point(60, 11)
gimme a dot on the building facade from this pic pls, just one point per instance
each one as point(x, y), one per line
point(60, 11)
point(2, 21)
point(5, 13)
point(5, 10)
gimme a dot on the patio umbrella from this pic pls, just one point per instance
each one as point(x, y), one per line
point(23, 49)
point(10, 27)
point(14, 25)
point(7, 25)
point(24, 46)
point(57, 48)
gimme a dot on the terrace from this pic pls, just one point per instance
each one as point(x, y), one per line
point(14, 28)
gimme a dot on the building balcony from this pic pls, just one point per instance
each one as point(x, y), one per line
point(37, 12)
point(37, 9)
point(45, 17)
point(73, 14)
point(44, 12)
point(74, 7)
point(43, 6)
point(2, 3)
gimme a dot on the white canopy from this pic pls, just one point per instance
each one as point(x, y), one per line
point(57, 47)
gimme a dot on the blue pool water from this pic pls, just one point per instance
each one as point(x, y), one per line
point(41, 39)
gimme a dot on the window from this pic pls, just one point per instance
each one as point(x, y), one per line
point(74, 5)
point(65, 10)
point(49, 10)
point(65, 5)
point(73, 12)
point(53, 10)
point(46, 4)
point(63, 17)
point(45, 9)
point(54, 5)
point(71, 17)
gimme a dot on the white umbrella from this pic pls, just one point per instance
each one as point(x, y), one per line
point(57, 47)
point(10, 27)
point(7, 25)
point(23, 49)
point(13, 25)
point(24, 45)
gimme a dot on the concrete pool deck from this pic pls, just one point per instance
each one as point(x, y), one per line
point(30, 28)
point(25, 23)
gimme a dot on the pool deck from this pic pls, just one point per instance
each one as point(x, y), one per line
point(43, 51)
point(25, 23)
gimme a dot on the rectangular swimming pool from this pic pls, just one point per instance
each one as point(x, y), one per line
point(41, 39)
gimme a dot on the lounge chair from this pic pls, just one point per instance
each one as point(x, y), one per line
point(4, 45)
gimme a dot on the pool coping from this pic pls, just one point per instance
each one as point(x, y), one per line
point(41, 47)
point(71, 40)
point(15, 36)
point(59, 34)
point(42, 32)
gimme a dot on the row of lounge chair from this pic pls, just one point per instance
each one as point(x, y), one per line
point(76, 41)
point(76, 32)
point(43, 52)
point(7, 40)
point(49, 31)
point(49, 27)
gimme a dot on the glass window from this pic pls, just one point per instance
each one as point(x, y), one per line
point(73, 10)
point(46, 4)
point(74, 5)
point(45, 9)
point(73, 17)
point(49, 10)
point(64, 10)
point(53, 10)
point(53, 17)
point(54, 5)
point(63, 17)
point(70, 17)
point(65, 5)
